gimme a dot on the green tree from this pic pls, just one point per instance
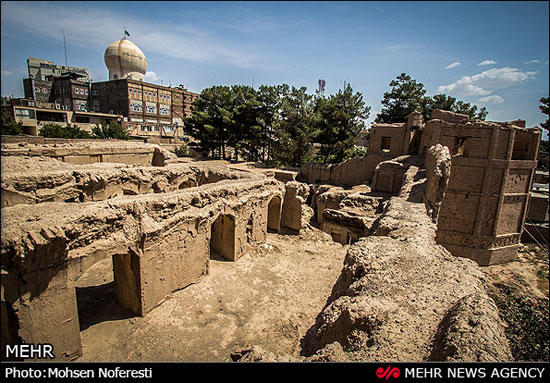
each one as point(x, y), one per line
point(269, 115)
point(340, 119)
point(439, 101)
point(9, 125)
point(444, 102)
point(53, 130)
point(405, 97)
point(110, 130)
point(210, 121)
point(245, 130)
point(470, 110)
point(545, 108)
point(295, 130)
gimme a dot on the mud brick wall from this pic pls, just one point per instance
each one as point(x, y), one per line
point(159, 243)
point(492, 168)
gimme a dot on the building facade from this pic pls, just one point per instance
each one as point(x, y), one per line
point(71, 92)
point(34, 114)
point(39, 69)
point(66, 87)
point(148, 110)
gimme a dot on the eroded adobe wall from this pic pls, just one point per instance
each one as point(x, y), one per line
point(348, 215)
point(401, 296)
point(41, 179)
point(159, 243)
point(80, 152)
point(354, 171)
point(386, 141)
point(492, 166)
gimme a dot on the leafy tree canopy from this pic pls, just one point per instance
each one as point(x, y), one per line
point(9, 126)
point(407, 96)
point(276, 124)
point(340, 119)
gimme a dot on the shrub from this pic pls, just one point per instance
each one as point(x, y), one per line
point(52, 130)
point(527, 319)
point(110, 130)
point(9, 126)
point(181, 150)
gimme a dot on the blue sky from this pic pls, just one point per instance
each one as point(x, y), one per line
point(492, 54)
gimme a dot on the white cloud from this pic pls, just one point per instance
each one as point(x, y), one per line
point(50, 19)
point(452, 65)
point(531, 62)
point(491, 100)
point(484, 83)
point(487, 62)
point(6, 73)
point(150, 76)
point(495, 114)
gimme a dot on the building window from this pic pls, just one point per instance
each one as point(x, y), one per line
point(157, 128)
point(136, 106)
point(151, 108)
point(81, 105)
point(24, 113)
point(85, 120)
point(386, 144)
point(460, 143)
point(164, 110)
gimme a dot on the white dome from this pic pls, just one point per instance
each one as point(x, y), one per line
point(124, 59)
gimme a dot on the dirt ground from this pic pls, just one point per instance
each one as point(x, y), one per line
point(528, 274)
point(269, 297)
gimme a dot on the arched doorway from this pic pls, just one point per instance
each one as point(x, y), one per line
point(109, 290)
point(274, 214)
point(222, 239)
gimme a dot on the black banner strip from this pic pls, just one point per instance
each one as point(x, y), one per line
point(371, 372)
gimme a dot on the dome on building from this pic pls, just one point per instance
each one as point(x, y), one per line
point(124, 59)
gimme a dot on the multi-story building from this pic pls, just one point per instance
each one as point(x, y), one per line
point(34, 114)
point(149, 110)
point(42, 75)
point(146, 110)
point(71, 92)
point(39, 69)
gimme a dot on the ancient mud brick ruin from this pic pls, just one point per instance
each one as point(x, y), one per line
point(60, 219)
point(425, 191)
point(492, 170)
point(485, 191)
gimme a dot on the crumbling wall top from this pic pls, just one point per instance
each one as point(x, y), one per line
point(438, 114)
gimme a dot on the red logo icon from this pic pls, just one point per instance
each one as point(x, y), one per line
point(388, 372)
